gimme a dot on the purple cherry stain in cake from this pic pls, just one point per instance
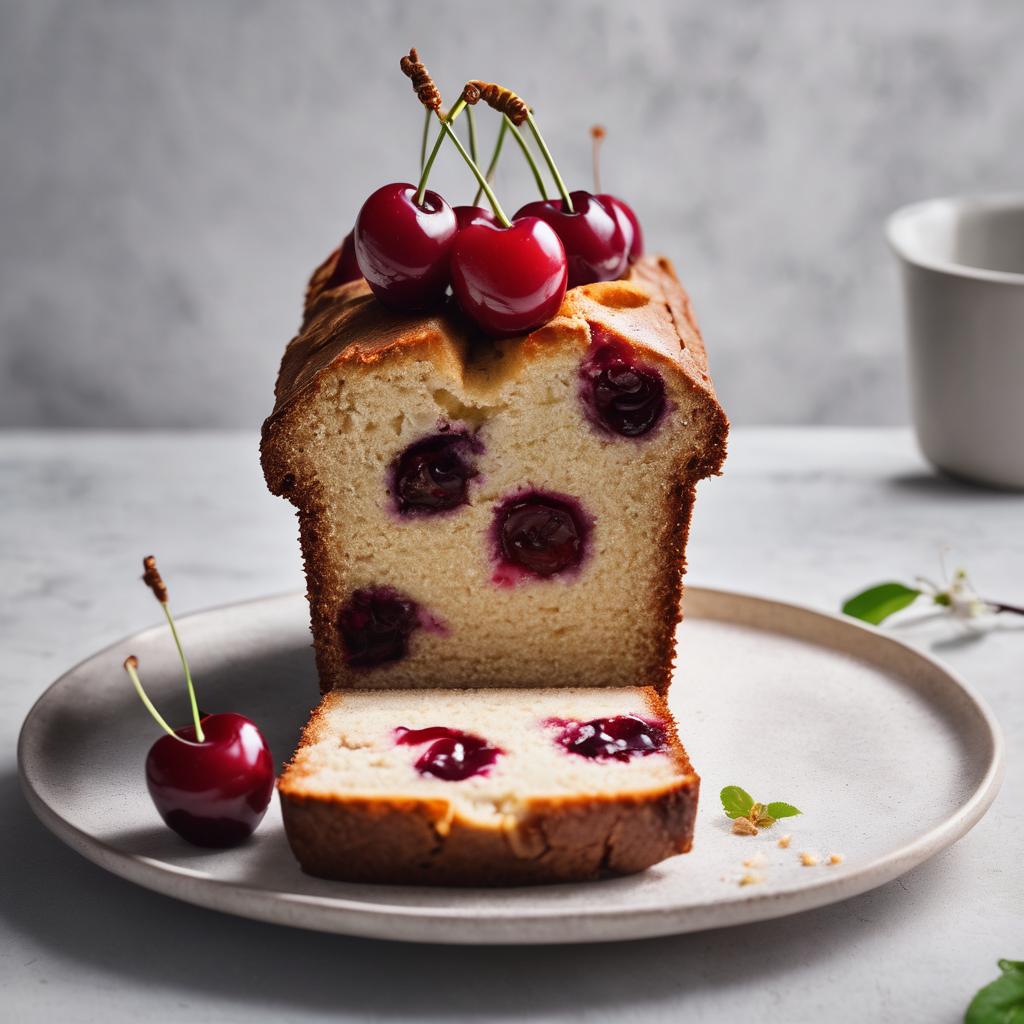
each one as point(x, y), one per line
point(539, 535)
point(620, 737)
point(453, 755)
point(375, 625)
point(432, 475)
point(619, 394)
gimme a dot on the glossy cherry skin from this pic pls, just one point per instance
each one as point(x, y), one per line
point(375, 625)
point(467, 215)
point(619, 395)
point(539, 534)
point(595, 247)
point(403, 249)
point(347, 267)
point(453, 755)
point(509, 280)
point(216, 792)
point(629, 222)
point(432, 475)
point(619, 737)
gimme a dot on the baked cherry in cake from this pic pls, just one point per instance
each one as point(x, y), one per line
point(620, 737)
point(432, 475)
point(619, 394)
point(453, 755)
point(538, 534)
point(402, 246)
point(375, 625)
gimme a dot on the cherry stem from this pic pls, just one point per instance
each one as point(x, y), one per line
point(1000, 606)
point(524, 146)
point(426, 133)
point(472, 134)
point(421, 188)
point(549, 160)
point(130, 666)
point(188, 675)
point(595, 155)
point(489, 174)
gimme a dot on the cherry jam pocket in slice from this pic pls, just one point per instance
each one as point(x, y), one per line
point(620, 737)
point(619, 395)
point(453, 755)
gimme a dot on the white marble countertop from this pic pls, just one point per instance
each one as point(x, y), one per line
point(806, 515)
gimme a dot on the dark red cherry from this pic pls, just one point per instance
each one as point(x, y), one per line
point(346, 269)
point(630, 224)
point(619, 395)
point(509, 280)
point(216, 792)
point(595, 247)
point(467, 215)
point(403, 249)
point(620, 737)
point(453, 755)
point(375, 625)
point(432, 475)
point(539, 534)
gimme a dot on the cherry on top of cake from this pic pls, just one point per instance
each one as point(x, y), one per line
point(507, 275)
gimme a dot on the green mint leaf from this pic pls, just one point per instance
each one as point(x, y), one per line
point(876, 604)
point(1002, 1001)
point(736, 802)
point(777, 809)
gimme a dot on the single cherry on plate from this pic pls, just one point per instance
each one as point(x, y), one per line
point(403, 248)
point(346, 268)
point(212, 780)
point(509, 280)
point(596, 249)
point(212, 793)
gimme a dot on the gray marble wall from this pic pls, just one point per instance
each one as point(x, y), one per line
point(170, 172)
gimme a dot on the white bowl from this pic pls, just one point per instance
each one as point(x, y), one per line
point(962, 264)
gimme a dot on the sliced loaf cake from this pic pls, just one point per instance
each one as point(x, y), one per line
point(480, 513)
point(488, 787)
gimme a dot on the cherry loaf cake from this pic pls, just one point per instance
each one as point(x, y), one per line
point(492, 429)
point(516, 787)
point(502, 513)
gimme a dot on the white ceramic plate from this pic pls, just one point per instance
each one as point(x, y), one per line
point(889, 755)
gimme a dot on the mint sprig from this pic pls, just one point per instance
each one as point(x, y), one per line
point(749, 814)
point(1001, 1001)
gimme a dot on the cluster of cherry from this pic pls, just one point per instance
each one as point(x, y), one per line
point(509, 276)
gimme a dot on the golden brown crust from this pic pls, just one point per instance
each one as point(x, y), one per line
point(409, 840)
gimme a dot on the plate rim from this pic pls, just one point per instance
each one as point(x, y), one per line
point(343, 915)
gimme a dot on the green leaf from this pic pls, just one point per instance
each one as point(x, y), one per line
point(777, 809)
point(876, 604)
point(736, 802)
point(1002, 1001)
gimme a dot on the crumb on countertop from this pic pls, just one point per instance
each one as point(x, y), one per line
point(808, 859)
point(835, 858)
point(751, 878)
point(754, 862)
point(784, 842)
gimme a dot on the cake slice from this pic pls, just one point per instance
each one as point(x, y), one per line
point(488, 786)
point(507, 513)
